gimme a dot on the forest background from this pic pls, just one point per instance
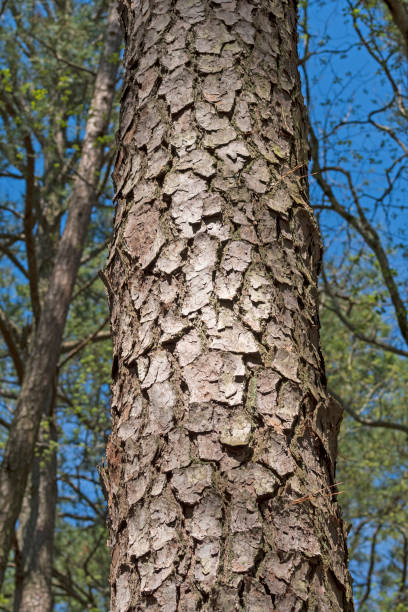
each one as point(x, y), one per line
point(355, 79)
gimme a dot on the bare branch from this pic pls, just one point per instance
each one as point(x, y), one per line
point(62, 59)
point(4, 423)
point(29, 226)
point(14, 259)
point(364, 228)
point(356, 332)
point(370, 567)
point(65, 478)
point(96, 336)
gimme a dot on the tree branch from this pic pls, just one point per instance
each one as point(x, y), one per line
point(65, 478)
point(356, 332)
point(370, 568)
point(96, 336)
point(14, 259)
point(29, 226)
point(8, 333)
point(364, 228)
point(367, 422)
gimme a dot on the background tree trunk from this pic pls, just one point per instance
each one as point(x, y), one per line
point(44, 352)
point(222, 456)
point(34, 539)
point(35, 534)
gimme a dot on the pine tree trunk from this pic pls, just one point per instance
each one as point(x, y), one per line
point(34, 537)
point(222, 456)
point(35, 533)
point(43, 355)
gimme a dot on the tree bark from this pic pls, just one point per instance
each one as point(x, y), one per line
point(34, 538)
point(41, 364)
point(222, 456)
point(35, 534)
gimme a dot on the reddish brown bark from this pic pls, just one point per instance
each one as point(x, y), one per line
point(222, 456)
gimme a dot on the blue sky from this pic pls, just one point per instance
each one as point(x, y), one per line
point(345, 88)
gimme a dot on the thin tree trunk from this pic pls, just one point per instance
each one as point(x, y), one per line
point(35, 534)
point(34, 539)
point(43, 357)
point(222, 455)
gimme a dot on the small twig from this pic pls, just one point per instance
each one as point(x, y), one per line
point(321, 491)
point(282, 176)
point(292, 170)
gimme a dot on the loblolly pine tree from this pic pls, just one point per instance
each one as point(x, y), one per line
point(221, 462)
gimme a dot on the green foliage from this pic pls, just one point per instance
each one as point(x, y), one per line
point(88, 577)
point(373, 461)
point(356, 89)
